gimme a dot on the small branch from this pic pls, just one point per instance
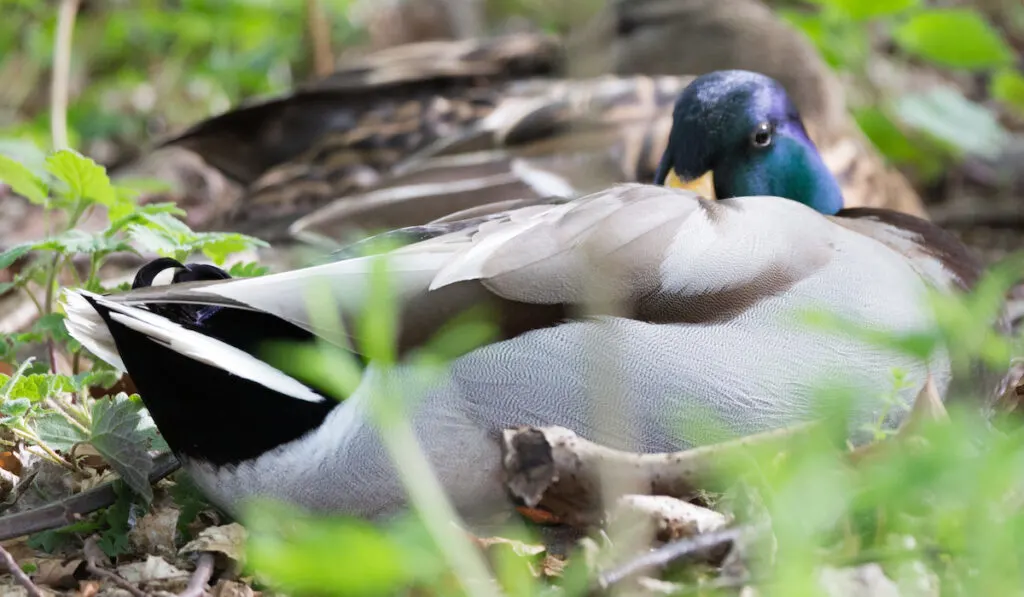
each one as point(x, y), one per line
point(18, 574)
point(91, 549)
point(47, 451)
point(200, 578)
point(72, 509)
point(699, 546)
point(59, 83)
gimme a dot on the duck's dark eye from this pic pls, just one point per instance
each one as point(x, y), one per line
point(762, 135)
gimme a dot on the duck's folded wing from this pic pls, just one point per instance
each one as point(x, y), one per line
point(640, 251)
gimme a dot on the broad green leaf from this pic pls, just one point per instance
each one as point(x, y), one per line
point(946, 115)
point(84, 177)
point(219, 246)
point(37, 386)
point(15, 407)
point(57, 432)
point(116, 436)
point(22, 180)
point(897, 147)
point(14, 253)
point(956, 38)
point(868, 9)
point(1008, 87)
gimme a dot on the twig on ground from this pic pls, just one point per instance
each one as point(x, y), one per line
point(91, 550)
point(18, 574)
point(698, 546)
point(70, 510)
point(197, 585)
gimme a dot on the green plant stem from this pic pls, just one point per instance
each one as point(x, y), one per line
point(35, 301)
point(37, 442)
point(61, 73)
point(67, 414)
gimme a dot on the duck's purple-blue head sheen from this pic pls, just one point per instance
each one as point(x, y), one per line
point(737, 133)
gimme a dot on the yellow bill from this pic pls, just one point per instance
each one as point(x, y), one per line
point(704, 185)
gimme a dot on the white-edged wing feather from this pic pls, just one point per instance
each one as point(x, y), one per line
point(83, 327)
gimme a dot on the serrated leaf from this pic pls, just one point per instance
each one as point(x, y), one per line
point(1007, 86)
point(57, 432)
point(13, 254)
point(15, 407)
point(218, 246)
point(250, 269)
point(945, 114)
point(84, 177)
point(116, 436)
point(956, 38)
point(868, 9)
point(22, 181)
point(37, 386)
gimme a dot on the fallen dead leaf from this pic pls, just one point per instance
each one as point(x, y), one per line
point(153, 568)
point(10, 462)
point(57, 573)
point(89, 588)
point(154, 533)
point(230, 588)
point(518, 547)
point(227, 541)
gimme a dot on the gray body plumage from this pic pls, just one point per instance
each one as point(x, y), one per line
point(721, 351)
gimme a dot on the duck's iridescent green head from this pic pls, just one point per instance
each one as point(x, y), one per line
point(736, 133)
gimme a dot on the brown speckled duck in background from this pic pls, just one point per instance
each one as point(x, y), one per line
point(426, 113)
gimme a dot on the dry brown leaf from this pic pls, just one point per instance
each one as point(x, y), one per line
point(10, 462)
point(154, 568)
point(154, 533)
point(57, 574)
point(89, 588)
point(230, 588)
point(227, 540)
point(552, 566)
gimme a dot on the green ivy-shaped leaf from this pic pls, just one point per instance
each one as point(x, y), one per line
point(956, 38)
point(116, 436)
point(84, 177)
point(1008, 87)
point(21, 179)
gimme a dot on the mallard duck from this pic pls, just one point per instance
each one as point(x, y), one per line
point(697, 331)
point(473, 114)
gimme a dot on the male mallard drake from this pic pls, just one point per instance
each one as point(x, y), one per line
point(697, 336)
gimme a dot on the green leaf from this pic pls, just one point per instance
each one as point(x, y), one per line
point(895, 145)
point(946, 115)
point(37, 386)
point(57, 432)
point(16, 407)
point(250, 269)
point(115, 435)
point(869, 9)
point(1007, 86)
point(84, 177)
point(218, 246)
point(956, 38)
point(298, 552)
point(14, 253)
point(22, 181)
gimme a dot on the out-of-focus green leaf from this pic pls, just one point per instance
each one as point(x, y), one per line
point(299, 552)
point(896, 146)
point(1008, 87)
point(946, 115)
point(868, 9)
point(22, 181)
point(956, 37)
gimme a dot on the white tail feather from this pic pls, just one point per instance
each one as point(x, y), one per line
point(83, 322)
